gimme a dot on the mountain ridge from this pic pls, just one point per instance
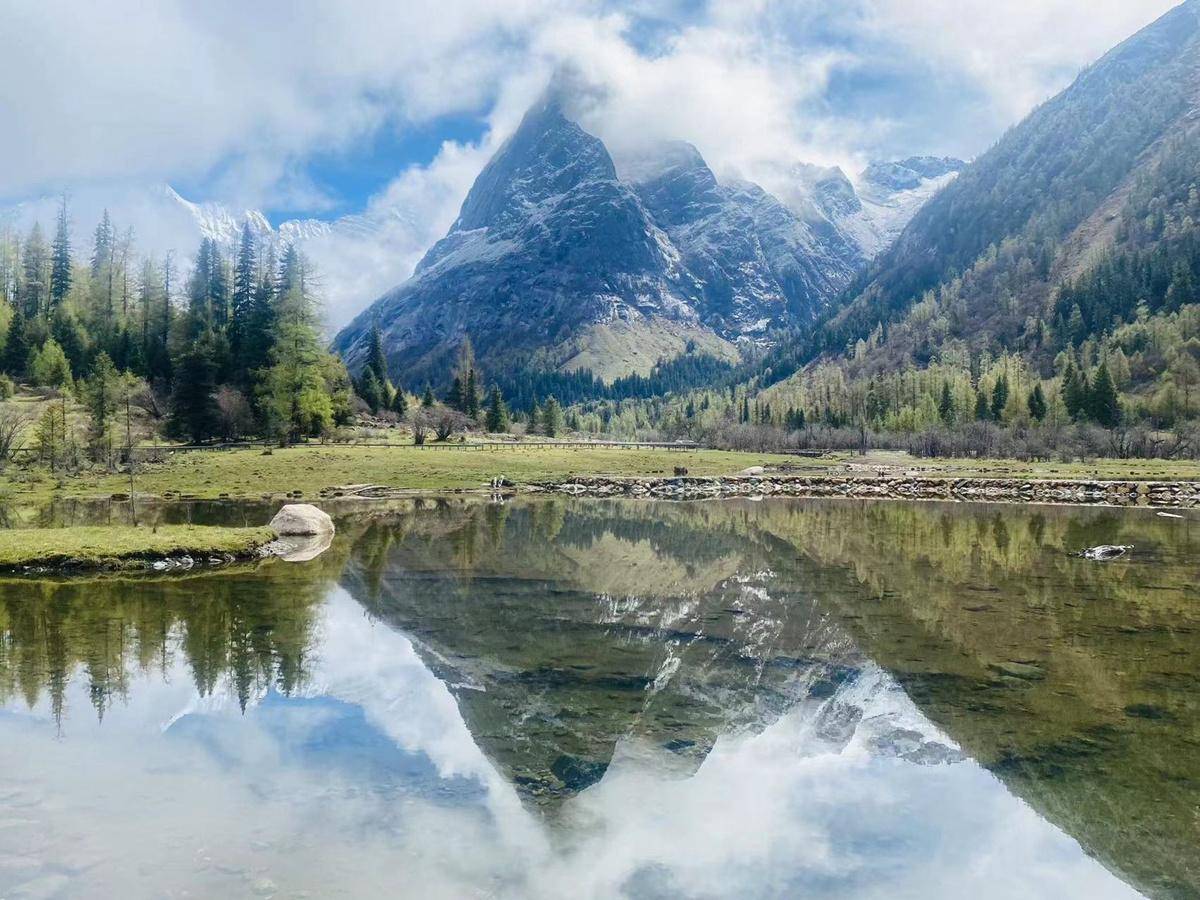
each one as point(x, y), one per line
point(561, 259)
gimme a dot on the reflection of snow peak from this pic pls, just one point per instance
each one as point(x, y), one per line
point(873, 715)
point(810, 806)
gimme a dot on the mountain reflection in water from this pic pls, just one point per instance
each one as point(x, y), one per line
point(573, 698)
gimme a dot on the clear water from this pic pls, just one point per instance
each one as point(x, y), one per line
point(617, 699)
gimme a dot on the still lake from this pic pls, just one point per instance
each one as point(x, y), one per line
point(572, 698)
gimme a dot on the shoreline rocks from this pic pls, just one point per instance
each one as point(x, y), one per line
point(1170, 494)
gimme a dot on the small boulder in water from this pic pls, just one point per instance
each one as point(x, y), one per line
point(301, 519)
point(1105, 552)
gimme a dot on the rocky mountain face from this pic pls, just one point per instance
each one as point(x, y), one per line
point(754, 261)
point(560, 260)
point(1088, 203)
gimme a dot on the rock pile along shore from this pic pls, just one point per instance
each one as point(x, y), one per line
point(1180, 494)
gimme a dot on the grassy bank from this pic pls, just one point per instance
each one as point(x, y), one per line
point(101, 545)
point(249, 474)
point(309, 469)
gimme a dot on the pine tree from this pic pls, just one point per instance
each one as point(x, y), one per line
point(16, 345)
point(34, 264)
point(371, 390)
point(104, 271)
point(427, 399)
point(946, 405)
point(552, 417)
point(194, 413)
point(376, 358)
point(982, 411)
point(1076, 327)
point(535, 416)
point(1037, 403)
point(400, 403)
point(291, 272)
point(497, 412)
point(60, 257)
point(1074, 392)
point(218, 287)
point(152, 342)
point(257, 331)
point(1104, 405)
point(102, 248)
point(200, 317)
point(999, 398)
point(471, 397)
point(73, 339)
point(454, 399)
point(245, 283)
point(168, 282)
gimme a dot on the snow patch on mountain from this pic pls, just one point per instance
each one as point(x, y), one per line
point(871, 210)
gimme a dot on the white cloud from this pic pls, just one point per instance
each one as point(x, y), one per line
point(1018, 52)
point(170, 89)
point(102, 97)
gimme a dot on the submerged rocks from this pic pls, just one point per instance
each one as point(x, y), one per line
point(757, 482)
point(301, 519)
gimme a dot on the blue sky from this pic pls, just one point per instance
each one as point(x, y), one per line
point(313, 109)
point(390, 108)
point(347, 178)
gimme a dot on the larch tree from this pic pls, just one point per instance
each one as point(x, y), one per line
point(99, 394)
point(293, 392)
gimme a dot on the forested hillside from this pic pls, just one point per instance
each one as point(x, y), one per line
point(123, 347)
point(1055, 282)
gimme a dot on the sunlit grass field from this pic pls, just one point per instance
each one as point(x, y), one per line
point(253, 474)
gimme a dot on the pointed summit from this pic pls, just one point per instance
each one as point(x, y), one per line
point(560, 261)
point(546, 156)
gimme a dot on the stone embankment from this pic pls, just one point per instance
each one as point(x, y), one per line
point(1168, 494)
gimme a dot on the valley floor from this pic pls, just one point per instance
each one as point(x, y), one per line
point(309, 470)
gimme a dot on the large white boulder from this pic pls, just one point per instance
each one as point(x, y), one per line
point(303, 519)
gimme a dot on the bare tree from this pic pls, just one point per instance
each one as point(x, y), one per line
point(420, 427)
point(234, 413)
point(447, 423)
point(13, 425)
